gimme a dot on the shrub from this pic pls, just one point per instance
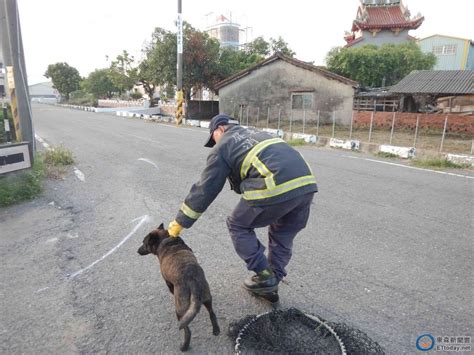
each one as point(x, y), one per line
point(136, 95)
point(58, 156)
point(82, 98)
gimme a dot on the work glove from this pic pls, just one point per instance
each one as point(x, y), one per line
point(174, 229)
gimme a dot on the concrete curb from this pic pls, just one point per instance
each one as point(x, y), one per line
point(402, 152)
point(308, 138)
point(461, 159)
point(344, 144)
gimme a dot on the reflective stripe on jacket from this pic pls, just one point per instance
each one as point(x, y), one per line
point(264, 169)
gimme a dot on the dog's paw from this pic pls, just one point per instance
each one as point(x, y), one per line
point(184, 347)
point(216, 331)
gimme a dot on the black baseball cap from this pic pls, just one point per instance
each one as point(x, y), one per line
point(219, 120)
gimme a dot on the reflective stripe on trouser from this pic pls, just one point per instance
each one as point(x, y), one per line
point(285, 220)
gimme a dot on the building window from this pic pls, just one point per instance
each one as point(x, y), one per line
point(300, 101)
point(447, 49)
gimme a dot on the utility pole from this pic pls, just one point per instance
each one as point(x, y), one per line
point(12, 45)
point(179, 67)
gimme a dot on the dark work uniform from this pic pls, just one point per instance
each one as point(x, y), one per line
point(277, 188)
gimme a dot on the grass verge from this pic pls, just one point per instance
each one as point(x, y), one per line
point(24, 185)
point(386, 155)
point(437, 163)
point(296, 142)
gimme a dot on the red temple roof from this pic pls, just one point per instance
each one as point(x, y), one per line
point(379, 17)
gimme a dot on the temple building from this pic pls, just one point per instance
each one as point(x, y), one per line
point(382, 21)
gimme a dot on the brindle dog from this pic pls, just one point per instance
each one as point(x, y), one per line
point(183, 276)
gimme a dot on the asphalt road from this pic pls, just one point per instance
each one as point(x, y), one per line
point(388, 249)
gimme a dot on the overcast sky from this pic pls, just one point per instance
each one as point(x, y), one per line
point(83, 32)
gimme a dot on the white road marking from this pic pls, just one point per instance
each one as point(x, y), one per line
point(143, 219)
point(80, 175)
point(41, 140)
point(149, 162)
point(42, 289)
point(52, 240)
point(409, 167)
point(72, 236)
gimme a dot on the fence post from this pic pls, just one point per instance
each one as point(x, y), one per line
point(279, 117)
point(291, 119)
point(248, 114)
point(371, 122)
point(352, 122)
point(416, 129)
point(241, 113)
point(472, 145)
point(258, 114)
point(444, 133)
point(268, 116)
point(333, 122)
point(317, 125)
point(393, 126)
point(233, 111)
point(304, 119)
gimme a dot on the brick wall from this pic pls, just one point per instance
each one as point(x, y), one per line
point(407, 120)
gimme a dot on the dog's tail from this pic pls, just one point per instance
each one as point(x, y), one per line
point(194, 306)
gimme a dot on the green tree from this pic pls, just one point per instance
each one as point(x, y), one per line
point(123, 74)
point(200, 60)
point(258, 46)
point(279, 45)
point(99, 84)
point(145, 76)
point(233, 60)
point(65, 78)
point(158, 69)
point(204, 62)
point(370, 64)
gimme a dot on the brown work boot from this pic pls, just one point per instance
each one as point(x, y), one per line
point(264, 282)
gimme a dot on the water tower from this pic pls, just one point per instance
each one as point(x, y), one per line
point(225, 31)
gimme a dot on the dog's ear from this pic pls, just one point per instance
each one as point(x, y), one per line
point(161, 226)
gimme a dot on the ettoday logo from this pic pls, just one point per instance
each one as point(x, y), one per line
point(425, 342)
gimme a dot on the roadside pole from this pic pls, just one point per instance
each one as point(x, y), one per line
point(371, 123)
point(416, 129)
point(12, 46)
point(393, 127)
point(352, 123)
point(268, 116)
point(179, 93)
point(333, 123)
point(444, 134)
point(317, 125)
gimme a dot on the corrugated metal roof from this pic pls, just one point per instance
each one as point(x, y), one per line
point(436, 82)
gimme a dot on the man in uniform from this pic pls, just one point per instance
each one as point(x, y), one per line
point(277, 188)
